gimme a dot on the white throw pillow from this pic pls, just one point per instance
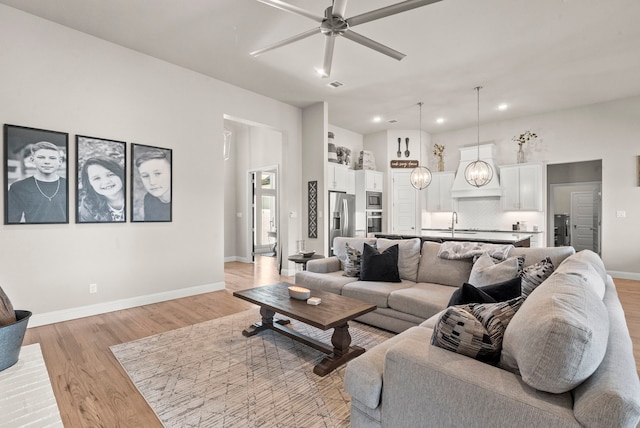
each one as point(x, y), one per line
point(486, 271)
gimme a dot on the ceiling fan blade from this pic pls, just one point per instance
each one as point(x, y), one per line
point(365, 41)
point(387, 11)
point(339, 8)
point(329, 44)
point(293, 9)
point(285, 42)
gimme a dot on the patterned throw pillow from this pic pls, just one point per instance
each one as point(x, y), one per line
point(475, 330)
point(353, 261)
point(534, 275)
point(486, 271)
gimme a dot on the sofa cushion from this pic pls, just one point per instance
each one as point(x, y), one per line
point(500, 292)
point(433, 269)
point(422, 300)
point(408, 255)
point(373, 292)
point(353, 261)
point(340, 248)
point(331, 282)
point(534, 275)
point(379, 266)
point(559, 336)
point(475, 330)
point(486, 271)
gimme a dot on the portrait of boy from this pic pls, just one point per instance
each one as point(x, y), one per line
point(35, 175)
point(152, 181)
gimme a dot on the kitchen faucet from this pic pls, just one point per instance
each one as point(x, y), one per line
point(454, 220)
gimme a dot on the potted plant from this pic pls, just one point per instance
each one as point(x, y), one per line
point(13, 325)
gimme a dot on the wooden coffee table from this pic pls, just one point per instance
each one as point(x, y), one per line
point(334, 312)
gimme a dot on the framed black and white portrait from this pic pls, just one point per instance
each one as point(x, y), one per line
point(35, 172)
point(151, 182)
point(101, 182)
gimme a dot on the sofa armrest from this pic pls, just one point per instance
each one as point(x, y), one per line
point(426, 383)
point(326, 265)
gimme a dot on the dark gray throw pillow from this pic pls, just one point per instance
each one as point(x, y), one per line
point(500, 292)
point(378, 266)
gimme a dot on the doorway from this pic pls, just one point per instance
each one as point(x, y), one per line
point(575, 197)
point(264, 190)
point(403, 219)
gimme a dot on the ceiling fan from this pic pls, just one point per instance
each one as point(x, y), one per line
point(334, 24)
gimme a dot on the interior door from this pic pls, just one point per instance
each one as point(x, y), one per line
point(404, 204)
point(582, 221)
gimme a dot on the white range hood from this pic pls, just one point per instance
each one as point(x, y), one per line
point(462, 189)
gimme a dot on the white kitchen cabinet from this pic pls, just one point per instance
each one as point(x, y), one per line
point(439, 192)
point(338, 177)
point(373, 181)
point(351, 182)
point(521, 186)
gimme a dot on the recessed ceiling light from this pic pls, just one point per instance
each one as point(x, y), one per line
point(377, 119)
point(503, 106)
point(440, 120)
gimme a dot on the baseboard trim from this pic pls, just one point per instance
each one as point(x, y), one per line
point(101, 308)
point(624, 275)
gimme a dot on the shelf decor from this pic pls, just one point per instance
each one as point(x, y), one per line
point(521, 139)
point(438, 151)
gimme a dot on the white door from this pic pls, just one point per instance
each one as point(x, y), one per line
point(582, 221)
point(403, 219)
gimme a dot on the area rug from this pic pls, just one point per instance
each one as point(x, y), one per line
point(26, 395)
point(210, 375)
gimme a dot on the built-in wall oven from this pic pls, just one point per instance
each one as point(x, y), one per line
point(374, 222)
point(374, 201)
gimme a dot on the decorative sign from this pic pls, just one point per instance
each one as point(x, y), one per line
point(313, 209)
point(404, 163)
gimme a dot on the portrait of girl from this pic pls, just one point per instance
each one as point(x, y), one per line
point(101, 196)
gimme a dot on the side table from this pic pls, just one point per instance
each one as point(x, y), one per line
point(301, 260)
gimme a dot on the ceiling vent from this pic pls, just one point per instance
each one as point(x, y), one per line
point(392, 121)
point(335, 84)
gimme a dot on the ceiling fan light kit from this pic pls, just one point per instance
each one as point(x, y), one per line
point(334, 24)
point(478, 173)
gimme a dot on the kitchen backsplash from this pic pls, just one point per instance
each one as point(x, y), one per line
point(484, 214)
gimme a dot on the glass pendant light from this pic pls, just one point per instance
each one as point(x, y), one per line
point(478, 173)
point(421, 175)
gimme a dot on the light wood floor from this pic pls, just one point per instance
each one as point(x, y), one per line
point(91, 388)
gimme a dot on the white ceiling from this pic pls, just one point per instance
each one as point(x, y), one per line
point(535, 55)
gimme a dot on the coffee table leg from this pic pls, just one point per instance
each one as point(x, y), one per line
point(342, 351)
point(267, 320)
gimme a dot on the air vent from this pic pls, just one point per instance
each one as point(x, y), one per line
point(335, 84)
point(392, 121)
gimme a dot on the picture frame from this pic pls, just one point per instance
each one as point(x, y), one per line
point(36, 169)
point(101, 195)
point(151, 184)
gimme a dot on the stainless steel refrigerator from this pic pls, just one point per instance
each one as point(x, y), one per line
point(342, 217)
point(561, 231)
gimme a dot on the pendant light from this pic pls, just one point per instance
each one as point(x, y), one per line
point(421, 175)
point(478, 173)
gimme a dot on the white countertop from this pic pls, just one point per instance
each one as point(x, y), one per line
point(478, 235)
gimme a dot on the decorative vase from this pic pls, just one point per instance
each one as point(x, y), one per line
point(11, 337)
point(440, 165)
point(520, 155)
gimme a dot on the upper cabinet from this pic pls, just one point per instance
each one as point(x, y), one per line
point(341, 178)
point(521, 187)
point(439, 192)
point(372, 181)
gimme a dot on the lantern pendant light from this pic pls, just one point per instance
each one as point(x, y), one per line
point(478, 173)
point(421, 175)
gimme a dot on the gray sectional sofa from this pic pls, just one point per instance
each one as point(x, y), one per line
point(567, 358)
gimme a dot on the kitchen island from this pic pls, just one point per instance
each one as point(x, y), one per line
point(517, 239)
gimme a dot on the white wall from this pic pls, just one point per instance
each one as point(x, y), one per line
point(607, 131)
point(59, 79)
